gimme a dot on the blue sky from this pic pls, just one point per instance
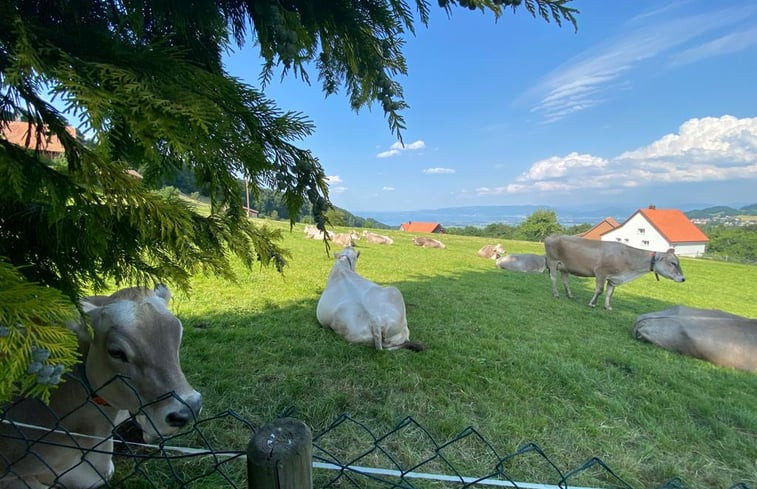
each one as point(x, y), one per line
point(648, 102)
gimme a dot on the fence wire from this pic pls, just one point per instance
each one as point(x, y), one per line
point(210, 454)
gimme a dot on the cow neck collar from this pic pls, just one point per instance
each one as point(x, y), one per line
point(88, 387)
point(651, 265)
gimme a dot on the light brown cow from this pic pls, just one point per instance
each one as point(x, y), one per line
point(130, 365)
point(362, 311)
point(345, 239)
point(491, 251)
point(522, 262)
point(611, 262)
point(716, 336)
point(377, 238)
point(312, 232)
point(427, 242)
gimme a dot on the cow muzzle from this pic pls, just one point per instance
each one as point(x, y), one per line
point(169, 415)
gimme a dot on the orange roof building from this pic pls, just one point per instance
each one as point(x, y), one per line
point(421, 227)
point(24, 134)
point(659, 230)
point(607, 224)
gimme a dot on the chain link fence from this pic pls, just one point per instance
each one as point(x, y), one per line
point(347, 454)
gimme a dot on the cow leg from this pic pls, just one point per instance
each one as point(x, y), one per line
point(565, 275)
point(553, 277)
point(94, 469)
point(610, 290)
point(598, 291)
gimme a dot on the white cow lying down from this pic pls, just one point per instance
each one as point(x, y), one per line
point(362, 311)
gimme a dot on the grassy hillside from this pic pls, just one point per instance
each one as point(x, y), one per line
point(503, 356)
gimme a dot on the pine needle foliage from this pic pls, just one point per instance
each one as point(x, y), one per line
point(33, 336)
point(146, 80)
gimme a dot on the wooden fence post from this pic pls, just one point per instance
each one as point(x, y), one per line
point(280, 456)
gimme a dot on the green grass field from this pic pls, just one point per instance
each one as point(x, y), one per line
point(503, 356)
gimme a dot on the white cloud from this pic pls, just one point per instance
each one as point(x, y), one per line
point(337, 190)
point(388, 154)
point(433, 171)
point(388, 189)
point(599, 72)
point(730, 43)
point(706, 149)
point(557, 166)
point(334, 179)
point(398, 148)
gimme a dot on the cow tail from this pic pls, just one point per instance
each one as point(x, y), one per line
point(413, 345)
point(378, 339)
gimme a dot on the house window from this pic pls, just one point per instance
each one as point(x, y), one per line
point(618, 239)
point(641, 230)
point(626, 240)
point(645, 242)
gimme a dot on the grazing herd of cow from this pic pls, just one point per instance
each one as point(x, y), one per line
point(135, 337)
point(364, 312)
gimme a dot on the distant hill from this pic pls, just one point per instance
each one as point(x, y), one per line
point(351, 220)
point(722, 211)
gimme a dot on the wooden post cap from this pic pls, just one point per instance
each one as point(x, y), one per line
point(279, 456)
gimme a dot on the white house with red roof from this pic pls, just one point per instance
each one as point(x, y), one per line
point(659, 230)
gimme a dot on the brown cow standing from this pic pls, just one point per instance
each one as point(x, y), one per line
point(611, 262)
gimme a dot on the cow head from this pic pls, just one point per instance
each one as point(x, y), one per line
point(667, 265)
point(348, 255)
point(133, 360)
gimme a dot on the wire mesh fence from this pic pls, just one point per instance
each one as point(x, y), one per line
point(35, 441)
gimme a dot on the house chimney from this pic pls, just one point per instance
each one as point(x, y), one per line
point(652, 206)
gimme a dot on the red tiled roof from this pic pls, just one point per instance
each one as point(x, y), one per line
point(420, 227)
point(17, 132)
point(607, 224)
point(674, 225)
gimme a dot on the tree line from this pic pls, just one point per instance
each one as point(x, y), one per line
point(537, 226)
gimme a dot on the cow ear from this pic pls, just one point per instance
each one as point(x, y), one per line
point(162, 291)
point(87, 306)
point(671, 251)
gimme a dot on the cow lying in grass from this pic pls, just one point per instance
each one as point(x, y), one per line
point(716, 336)
point(377, 238)
point(362, 311)
point(491, 251)
point(130, 365)
point(521, 262)
point(427, 242)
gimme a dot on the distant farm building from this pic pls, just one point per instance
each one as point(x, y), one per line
point(607, 224)
point(421, 227)
point(658, 230)
point(24, 134)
